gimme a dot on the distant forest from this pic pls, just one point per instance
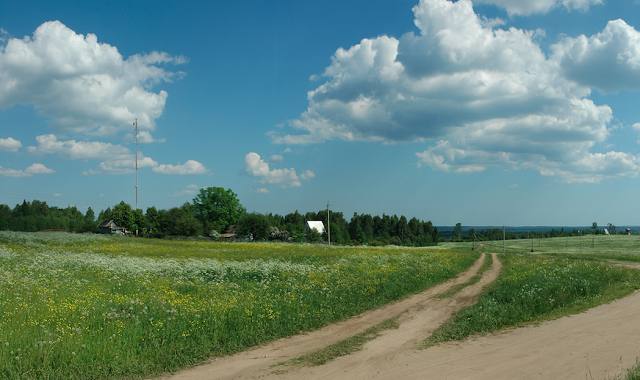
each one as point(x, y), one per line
point(216, 211)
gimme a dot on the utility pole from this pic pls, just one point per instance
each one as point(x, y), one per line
point(328, 224)
point(135, 126)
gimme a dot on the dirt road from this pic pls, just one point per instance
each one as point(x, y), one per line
point(418, 311)
point(600, 343)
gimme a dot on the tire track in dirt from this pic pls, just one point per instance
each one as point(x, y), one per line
point(257, 362)
point(600, 343)
point(416, 324)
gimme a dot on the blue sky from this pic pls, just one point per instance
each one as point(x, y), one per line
point(511, 112)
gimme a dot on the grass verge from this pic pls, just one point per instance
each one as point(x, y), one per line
point(633, 373)
point(345, 347)
point(536, 288)
point(486, 265)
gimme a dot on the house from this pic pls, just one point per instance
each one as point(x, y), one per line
point(110, 227)
point(315, 225)
point(228, 235)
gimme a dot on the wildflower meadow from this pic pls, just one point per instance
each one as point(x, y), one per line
point(95, 307)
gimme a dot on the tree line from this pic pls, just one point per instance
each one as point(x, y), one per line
point(216, 211)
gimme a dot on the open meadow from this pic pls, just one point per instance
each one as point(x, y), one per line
point(99, 307)
point(92, 306)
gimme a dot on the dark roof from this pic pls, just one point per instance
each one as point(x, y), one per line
point(109, 224)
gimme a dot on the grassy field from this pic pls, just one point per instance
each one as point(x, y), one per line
point(91, 307)
point(616, 247)
point(533, 288)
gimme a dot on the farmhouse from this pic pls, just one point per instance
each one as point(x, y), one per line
point(110, 227)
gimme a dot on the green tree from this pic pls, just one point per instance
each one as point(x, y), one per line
point(122, 215)
point(89, 221)
point(255, 225)
point(457, 232)
point(217, 208)
point(152, 224)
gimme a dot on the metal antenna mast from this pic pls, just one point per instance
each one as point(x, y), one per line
point(135, 126)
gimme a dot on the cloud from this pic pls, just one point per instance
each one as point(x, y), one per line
point(257, 167)
point(9, 144)
point(50, 144)
point(190, 167)
point(478, 96)
point(82, 84)
point(529, 7)
point(262, 190)
point(116, 159)
point(276, 158)
point(189, 191)
point(308, 174)
point(34, 169)
point(145, 137)
point(609, 60)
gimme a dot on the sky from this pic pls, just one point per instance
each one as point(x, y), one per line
point(492, 112)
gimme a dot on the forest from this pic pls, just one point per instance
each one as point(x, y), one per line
point(215, 211)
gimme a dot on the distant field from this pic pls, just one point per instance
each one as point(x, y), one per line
point(616, 247)
point(90, 306)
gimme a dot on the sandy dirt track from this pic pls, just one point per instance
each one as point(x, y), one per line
point(600, 343)
point(258, 362)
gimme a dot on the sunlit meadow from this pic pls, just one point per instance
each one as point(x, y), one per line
point(87, 306)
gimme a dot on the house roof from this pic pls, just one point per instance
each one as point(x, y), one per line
point(316, 225)
point(109, 223)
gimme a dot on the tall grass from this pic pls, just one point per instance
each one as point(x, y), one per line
point(535, 288)
point(94, 307)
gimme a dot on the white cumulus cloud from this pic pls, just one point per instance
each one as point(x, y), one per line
point(190, 167)
point(34, 169)
point(608, 60)
point(82, 84)
point(288, 177)
point(50, 144)
point(116, 159)
point(478, 95)
point(188, 191)
point(528, 7)
point(10, 144)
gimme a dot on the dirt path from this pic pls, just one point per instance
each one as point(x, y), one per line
point(379, 357)
point(600, 343)
point(257, 362)
point(625, 264)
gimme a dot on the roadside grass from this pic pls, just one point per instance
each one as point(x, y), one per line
point(633, 373)
point(536, 288)
point(486, 265)
point(345, 347)
point(93, 307)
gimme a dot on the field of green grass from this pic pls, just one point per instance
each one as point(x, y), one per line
point(615, 247)
point(94, 307)
point(536, 287)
